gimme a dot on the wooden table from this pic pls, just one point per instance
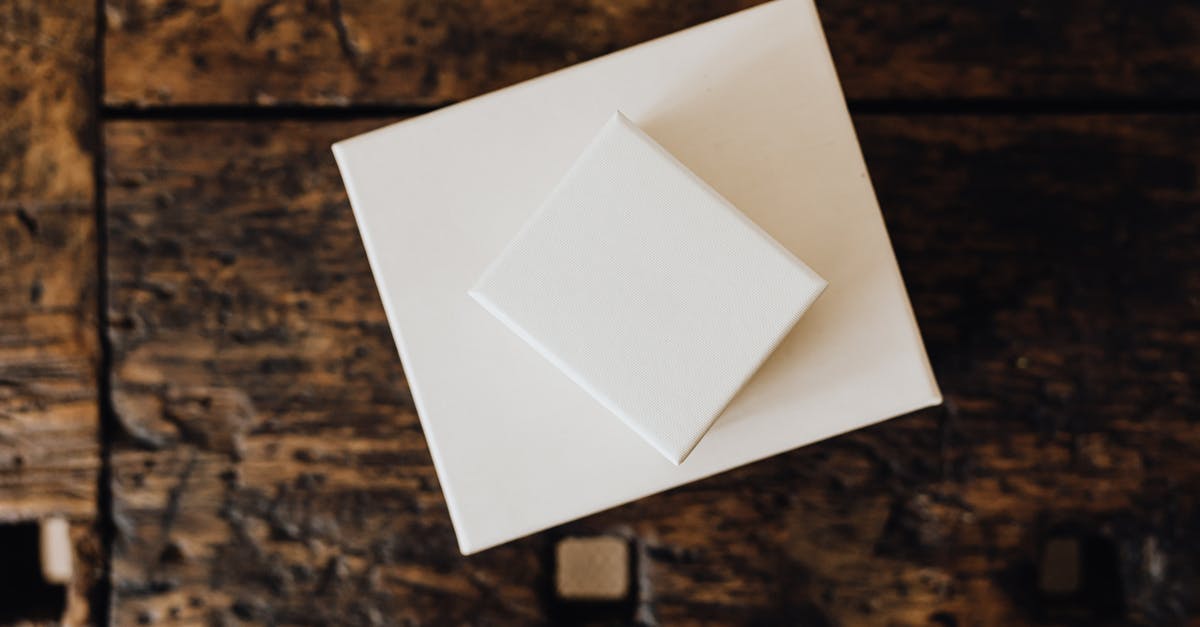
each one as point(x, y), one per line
point(196, 371)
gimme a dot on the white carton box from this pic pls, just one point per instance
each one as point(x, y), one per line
point(751, 104)
point(647, 288)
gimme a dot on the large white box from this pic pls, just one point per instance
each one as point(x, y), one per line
point(752, 105)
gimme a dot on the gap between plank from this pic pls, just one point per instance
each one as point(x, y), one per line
point(100, 604)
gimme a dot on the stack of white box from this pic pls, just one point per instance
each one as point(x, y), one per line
point(578, 295)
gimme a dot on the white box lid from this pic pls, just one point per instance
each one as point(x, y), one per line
point(647, 288)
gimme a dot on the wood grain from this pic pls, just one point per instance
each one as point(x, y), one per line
point(46, 66)
point(412, 53)
point(271, 467)
point(49, 418)
point(358, 51)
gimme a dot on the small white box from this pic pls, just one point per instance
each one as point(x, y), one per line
point(648, 288)
point(751, 104)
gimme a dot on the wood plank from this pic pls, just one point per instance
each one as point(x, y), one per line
point(272, 466)
point(49, 418)
point(343, 52)
point(46, 69)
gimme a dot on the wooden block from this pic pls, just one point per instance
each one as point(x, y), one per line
point(592, 569)
point(55, 550)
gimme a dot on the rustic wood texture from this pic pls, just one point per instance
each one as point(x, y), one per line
point(342, 52)
point(49, 443)
point(49, 417)
point(345, 52)
point(271, 466)
point(268, 466)
point(46, 66)
point(271, 469)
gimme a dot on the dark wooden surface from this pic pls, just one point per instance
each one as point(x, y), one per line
point(414, 52)
point(49, 345)
point(265, 460)
point(266, 417)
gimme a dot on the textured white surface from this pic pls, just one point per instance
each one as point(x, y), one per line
point(648, 288)
point(751, 104)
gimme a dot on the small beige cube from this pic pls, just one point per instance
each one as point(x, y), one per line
point(592, 569)
point(57, 554)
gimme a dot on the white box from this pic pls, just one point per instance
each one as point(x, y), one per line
point(751, 104)
point(647, 288)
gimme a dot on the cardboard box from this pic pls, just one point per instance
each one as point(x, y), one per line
point(751, 104)
point(647, 288)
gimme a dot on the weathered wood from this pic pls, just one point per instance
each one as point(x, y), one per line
point(411, 52)
point(46, 65)
point(49, 436)
point(271, 466)
point(49, 418)
point(335, 52)
point(1078, 50)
